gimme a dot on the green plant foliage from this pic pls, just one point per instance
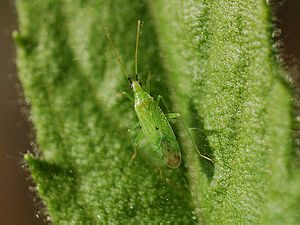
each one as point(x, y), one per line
point(213, 61)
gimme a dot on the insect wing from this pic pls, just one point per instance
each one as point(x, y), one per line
point(171, 155)
point(148, 128)
point(161, 135)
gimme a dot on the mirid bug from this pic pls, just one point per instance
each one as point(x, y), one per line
point(154, 123)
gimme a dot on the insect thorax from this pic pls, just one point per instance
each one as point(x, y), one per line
point(141, 99)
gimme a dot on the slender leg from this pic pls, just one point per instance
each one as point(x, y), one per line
point(128, 96)
point(136, 125)
point(159, 97)
point(175, 115)
point(134, 145)
point(161, 174)
point(134, 155)
point(137, 139)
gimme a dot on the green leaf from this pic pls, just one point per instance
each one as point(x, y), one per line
point(213, 61)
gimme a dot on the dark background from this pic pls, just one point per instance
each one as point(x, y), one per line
point(17, 205)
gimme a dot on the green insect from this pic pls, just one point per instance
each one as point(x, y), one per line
point(154, 123)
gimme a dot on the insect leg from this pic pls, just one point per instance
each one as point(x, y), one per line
point(172, 115)
point(135, 142)
point(136, 125)
point(128, 96)
point(137, 139)
point(161, 174)
point(175, 115)
point(159, 97)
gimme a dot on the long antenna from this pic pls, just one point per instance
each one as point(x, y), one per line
point(119, 60)
point(137, 45)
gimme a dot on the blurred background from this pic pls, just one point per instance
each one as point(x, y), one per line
point(19, 205)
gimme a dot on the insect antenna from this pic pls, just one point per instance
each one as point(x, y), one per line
point(119, 60)
point(136, 49)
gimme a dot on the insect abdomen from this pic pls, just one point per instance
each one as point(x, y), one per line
point(158, 132)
